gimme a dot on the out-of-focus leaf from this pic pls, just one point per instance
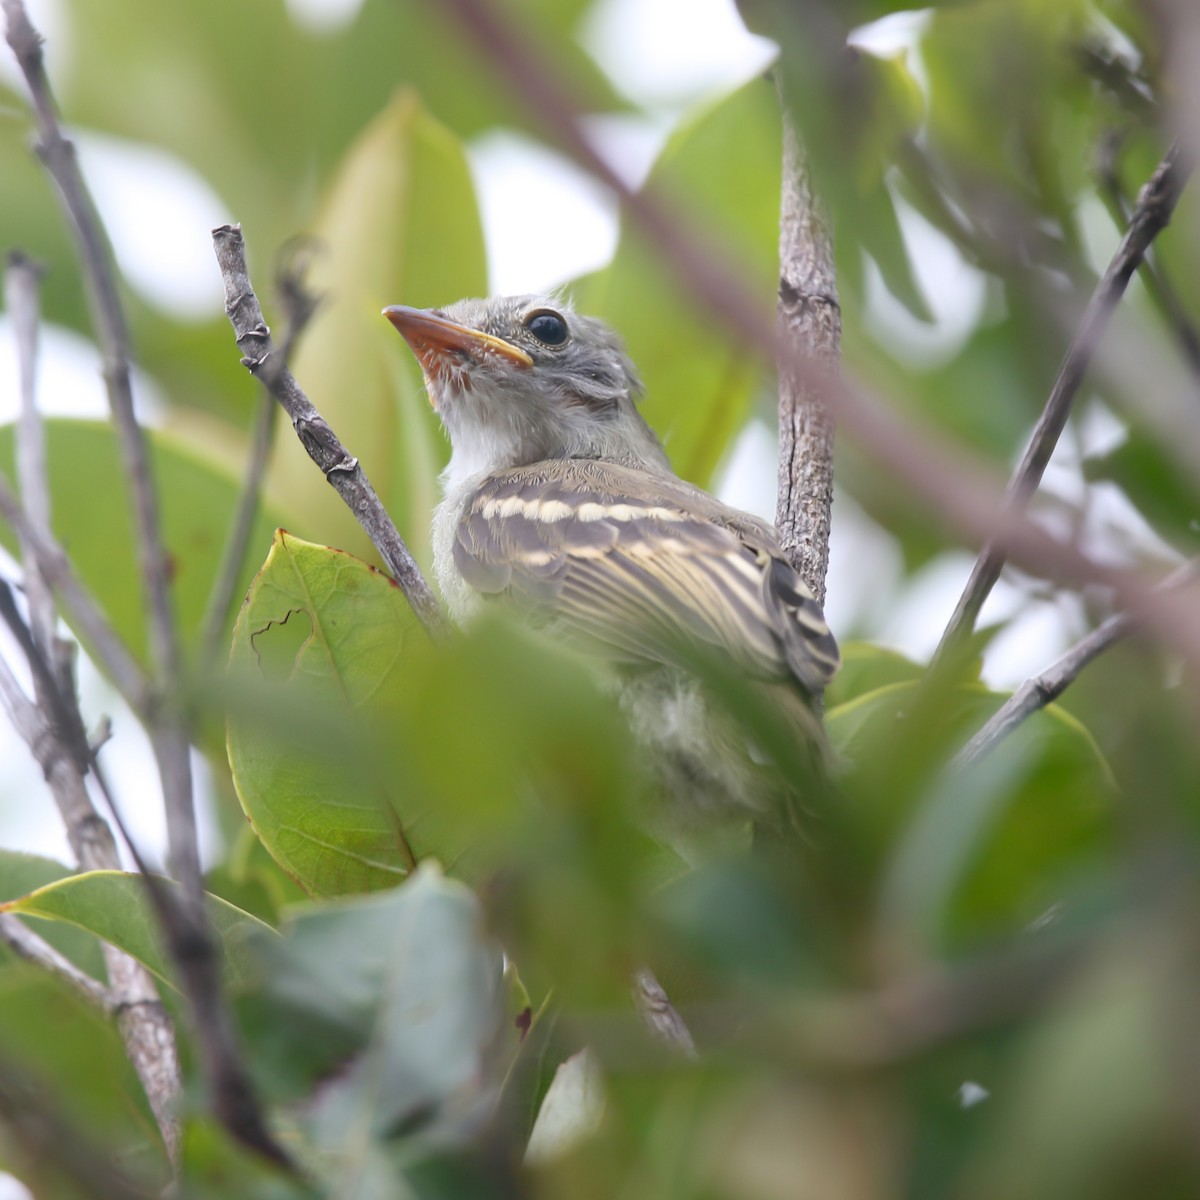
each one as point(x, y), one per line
point(571, 1109)
point(866, 667)
point(213, 1166)
point(75, 1065)
point(1057, 1109)
point(403, 992)
point(189, 87)
point(399, 224)
point(1155, 484)
point(92, 519)
point(22, 873)
point(340, 628)
point(1008, 98)
point(700, 383)
point(976, 852)
point(113, 905)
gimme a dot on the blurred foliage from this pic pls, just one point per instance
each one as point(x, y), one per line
point(965, 983)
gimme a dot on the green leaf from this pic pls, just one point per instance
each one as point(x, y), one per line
point(340, 630)
point(22, 873)
point(64, 1057)
point(402, 991)
point(865, 668)
point(114, 906)
point(92, 520)
point(399, 224)
point(967, 855)
point(700, 381)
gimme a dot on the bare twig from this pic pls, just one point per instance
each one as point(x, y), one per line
point(1159, 287)
point(809, 324)
point(340, 468)
point(21, 940)
point(299, 305)
point(953, 484)
point(659, 1014)
point(54, 730)
point(102, 641)
point(239, 531)
point(59, 740)
point(100, 279)
point(1042, 689)
point(1153, 212)
point(21, 299)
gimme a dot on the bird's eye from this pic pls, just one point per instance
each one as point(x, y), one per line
point(548, 327)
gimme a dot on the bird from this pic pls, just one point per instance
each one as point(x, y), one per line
point(559, 501)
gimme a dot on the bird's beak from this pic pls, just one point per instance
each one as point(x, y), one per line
point(438, 342)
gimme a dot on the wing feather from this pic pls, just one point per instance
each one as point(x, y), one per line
point(643, 564)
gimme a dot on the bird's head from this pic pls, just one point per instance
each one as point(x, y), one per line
point(522, 379)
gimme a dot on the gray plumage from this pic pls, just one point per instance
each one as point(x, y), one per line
point(560, 500)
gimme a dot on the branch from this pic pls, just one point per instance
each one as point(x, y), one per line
point(1159, 286)
point(54, 731)
point(21, 940)
point(809, 325)
point(1043, 689)
point(100, 280)
point(340, 468)
point(1154, 208)
point(955, 485)
point(299, 305)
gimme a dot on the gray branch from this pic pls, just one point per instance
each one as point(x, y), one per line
point(1042, 689)
point(104, 302)
point(21, 940)
point(339, 467)
point(132, 998)
point(809, 326)
point(1151, 215)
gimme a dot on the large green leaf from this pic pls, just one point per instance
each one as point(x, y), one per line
point(967, 854)
point(402, 992)
point(722, 170)
point(399, 224)
point(92, 519)
point(114, 906)
point(339, 629)
point(64, 1059)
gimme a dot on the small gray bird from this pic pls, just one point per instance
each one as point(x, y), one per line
point(559, 498)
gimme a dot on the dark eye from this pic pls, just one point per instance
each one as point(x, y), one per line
point(548, 327)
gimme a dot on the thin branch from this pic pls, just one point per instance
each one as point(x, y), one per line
point(956, 486)
point(100, 280)
point(809, 324)
point(1152, 213)
point(86, 615)
point(1159, 287)
point(299, 305)
point(238, 540)
point(61, 742)
point(340, 468)
point(21, 940)
point(55, 723)
point(1042, 689)
point(21, 278)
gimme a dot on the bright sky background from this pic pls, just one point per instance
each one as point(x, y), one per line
point(664, 54)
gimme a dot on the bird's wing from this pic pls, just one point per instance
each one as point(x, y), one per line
point(643, 564)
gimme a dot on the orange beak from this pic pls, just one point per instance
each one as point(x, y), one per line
point(434, 340)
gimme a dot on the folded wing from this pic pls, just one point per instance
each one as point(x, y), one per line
point(644, 565)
